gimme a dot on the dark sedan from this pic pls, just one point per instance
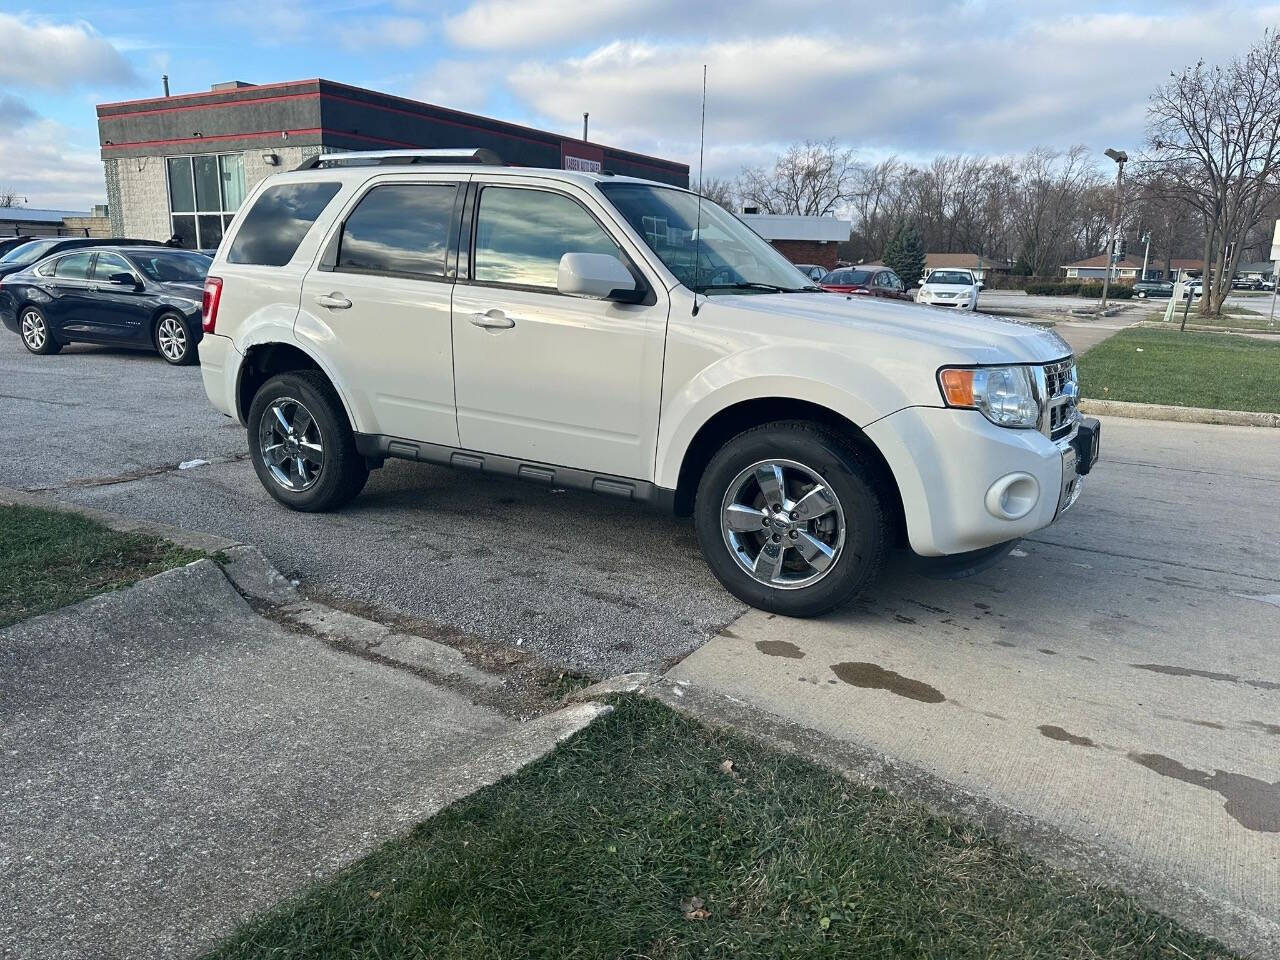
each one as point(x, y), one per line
point(127, 296)
point(33, 251)
point(8, 243)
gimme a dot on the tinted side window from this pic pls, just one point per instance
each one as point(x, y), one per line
point(74, 266)
point(522, 234)
point(280, 218)
point(400, 228)
point(109, 264)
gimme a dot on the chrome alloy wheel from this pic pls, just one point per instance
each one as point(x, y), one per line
point(172, 337)
point(783, 524)
point(34, 331)
point(291, 445)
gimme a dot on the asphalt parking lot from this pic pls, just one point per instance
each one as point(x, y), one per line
point(1116, 676)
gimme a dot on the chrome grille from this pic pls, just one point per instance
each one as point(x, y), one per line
point(1060, 394)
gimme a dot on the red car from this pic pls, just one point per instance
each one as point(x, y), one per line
point(870, 281)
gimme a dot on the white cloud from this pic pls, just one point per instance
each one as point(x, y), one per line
point(380, 33)
point(458, 84)
point(56, 56)
point(40, 163)
point(991, 84)
point(508, 24)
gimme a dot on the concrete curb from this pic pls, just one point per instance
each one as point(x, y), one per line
point(1160, 411)
point(1249, 933)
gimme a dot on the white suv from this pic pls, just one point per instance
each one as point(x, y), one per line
point(620, 335)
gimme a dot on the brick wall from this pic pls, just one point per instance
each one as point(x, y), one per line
point(86, 226)
point(137, 190)
point(820, 252)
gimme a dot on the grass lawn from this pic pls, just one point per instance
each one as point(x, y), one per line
point(49, 559)
point(600, 849)
point(1216, 370)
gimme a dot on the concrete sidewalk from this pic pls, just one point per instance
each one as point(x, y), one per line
point(1117, 678)
point(174, 762)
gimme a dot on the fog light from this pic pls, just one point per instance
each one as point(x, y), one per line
point(1013, 496)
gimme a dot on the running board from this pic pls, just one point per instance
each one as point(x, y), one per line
point(376, 448)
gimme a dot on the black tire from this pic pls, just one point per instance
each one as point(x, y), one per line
point(45, 344)
point(841, 466)
point(179, 358)
point(343, 471)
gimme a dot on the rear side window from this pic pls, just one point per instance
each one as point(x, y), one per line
point(400, 228)
point(74, 266)
point(280, 218)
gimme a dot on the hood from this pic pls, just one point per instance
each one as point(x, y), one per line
point(865, 323)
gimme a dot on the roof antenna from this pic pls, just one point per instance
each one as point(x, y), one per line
point(697, 233)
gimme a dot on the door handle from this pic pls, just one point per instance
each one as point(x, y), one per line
point(493, 319)
point(334, 301)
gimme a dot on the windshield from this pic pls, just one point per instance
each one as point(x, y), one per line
point(951, 276)
point(172, 266)
point(841, 278)
point(28, 252)
point(730, 257)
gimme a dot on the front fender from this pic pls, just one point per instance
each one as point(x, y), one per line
point(828, 379)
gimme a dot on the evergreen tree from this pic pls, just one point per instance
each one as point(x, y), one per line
point(905, 255)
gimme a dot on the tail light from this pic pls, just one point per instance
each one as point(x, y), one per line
point(209, 303)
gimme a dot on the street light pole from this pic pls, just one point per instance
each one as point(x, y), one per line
point(1146, 253)
point(1121, 158)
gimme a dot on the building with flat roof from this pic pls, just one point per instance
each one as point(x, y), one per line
point(36, 222)
point(801, 239)
point(182, 165)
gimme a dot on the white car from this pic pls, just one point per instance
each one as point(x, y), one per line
point(615, 334)
point(950, 288)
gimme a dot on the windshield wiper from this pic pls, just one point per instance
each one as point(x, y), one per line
point(755, 285)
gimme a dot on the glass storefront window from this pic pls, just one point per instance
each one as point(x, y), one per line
point(205, 191)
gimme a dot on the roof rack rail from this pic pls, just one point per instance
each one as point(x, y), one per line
point(369, 158)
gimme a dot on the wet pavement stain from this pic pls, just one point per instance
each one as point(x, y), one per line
point(1252, 803)
point(901, 619)
point(875, 677)
point(726, 632)
point(780, 648)
point(1271, 728)
point(1004, 643)
point(1205, 675)
point(1048, 653)
point(1057, 733)
point(983, 606)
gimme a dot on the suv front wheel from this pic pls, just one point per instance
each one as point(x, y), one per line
point(301, 443)
point(789, 519)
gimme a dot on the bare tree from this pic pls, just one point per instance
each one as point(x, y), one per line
point(1046, 202)
point(1214, 132)
point(719, 191)
point(8, 197)
point(814, 178)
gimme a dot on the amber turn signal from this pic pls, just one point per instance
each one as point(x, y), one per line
point(957, 387)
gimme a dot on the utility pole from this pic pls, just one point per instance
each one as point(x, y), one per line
point(1121, 158)
point(585, 118)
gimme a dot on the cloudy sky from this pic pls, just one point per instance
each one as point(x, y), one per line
point(914, 77)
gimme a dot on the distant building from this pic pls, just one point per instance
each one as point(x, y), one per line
point(981, 267)
point(1263, 270)
point(801, 239)
point(182, 165)
point(34, 222)
point(1130, 268)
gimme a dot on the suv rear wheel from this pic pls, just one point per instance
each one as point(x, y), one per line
point(301, 443)
point(789, 520)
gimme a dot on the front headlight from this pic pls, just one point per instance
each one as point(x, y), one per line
point(1004, 394)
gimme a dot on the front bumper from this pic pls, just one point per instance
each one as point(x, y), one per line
point(965, 303)
point(967, 484)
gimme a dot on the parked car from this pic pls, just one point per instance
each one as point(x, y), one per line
point(1246, 283)
point(8, 243)
point(125, 295)
point(870, 281)
point(537, 324)
point(1144, 289)
point(957, 289)
point(812, 270)
point(1192, 289)
point(1267, 283)
point(33, 251)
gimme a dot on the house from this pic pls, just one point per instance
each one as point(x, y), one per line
point(1263, 270)
point(981, 267)
point(801, 239)
point(1130, 268)
point(34, 222)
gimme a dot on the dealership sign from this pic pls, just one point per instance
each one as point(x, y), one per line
point(583, 157)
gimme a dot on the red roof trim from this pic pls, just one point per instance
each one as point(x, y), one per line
point(210, 106)
point(274, 134)
point(209, 93)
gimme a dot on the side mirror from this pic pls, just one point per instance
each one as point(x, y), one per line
point(596, 276)
point(124, 280)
